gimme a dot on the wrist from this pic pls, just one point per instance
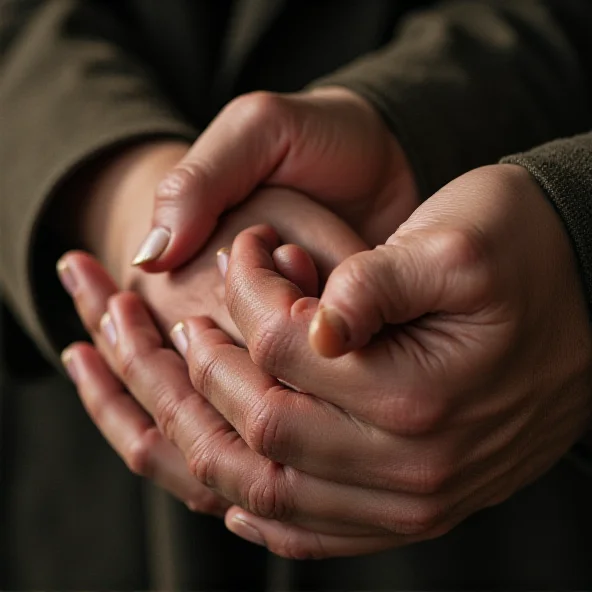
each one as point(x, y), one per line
point(107, 206)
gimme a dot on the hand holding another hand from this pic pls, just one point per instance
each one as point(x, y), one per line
point(476, 383)
point(98, 371)
point(329, 144)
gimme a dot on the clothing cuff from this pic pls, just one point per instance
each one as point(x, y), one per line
point(47, 311)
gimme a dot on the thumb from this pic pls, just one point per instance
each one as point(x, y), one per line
point(228, 161)
point(410, 276)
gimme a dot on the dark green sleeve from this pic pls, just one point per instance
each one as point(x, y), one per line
point(564, 170)
point(71, 87)
point(464, 83)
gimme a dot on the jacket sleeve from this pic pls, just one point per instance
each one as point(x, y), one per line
point(71, 87)
point(466, 82)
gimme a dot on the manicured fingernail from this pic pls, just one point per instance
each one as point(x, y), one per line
point(241, 526)
point(66, 277)
point(70, 364)
point(108, 329)
point(222, 258)
point(328, 333)
point(179, 338)
point(153, 246)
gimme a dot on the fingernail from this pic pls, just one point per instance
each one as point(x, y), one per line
point(328, 332)
point(222, 258)
point(153, 246)
point(240, 526)
point(66, 277)
point(108, 329)
point(333, 319)
point(69, 364)
point(179, 338)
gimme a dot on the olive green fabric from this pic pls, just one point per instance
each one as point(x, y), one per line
point(461, 83)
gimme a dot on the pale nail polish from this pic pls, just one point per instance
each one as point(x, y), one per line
point(179, 338)
point(153, 246)
point(244, 529)
point(108, 329)
point(66, 277)
point(222, 258)
point(69, 364)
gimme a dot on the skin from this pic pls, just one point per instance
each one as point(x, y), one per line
point(450, 366)
point(371, 185)
point(329, 144)
point(131, 431)
point(451, 412)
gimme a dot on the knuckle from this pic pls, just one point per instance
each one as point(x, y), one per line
point(351, 281)
point(204, 369)
point(166, 414)
point(256, 107)
point(411, 414)
point(128, 363)
point(354, 275)
point(418, 521)
point(459, 247)
point(138, 457)
point(266, 497)
point(268, 343)
point(464, 252)
point(203, 458)
point(262, 426)
point(426, 478)
point(178, 184)
point(202, 464)
point(293, 546)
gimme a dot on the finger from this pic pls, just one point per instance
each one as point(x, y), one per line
point(297, 266)
point(325, 237)
point(287, 426)
point(276, 295)
point(291, 261)
point(132, 433)
point(414, 274)
point(256, 139)
point(89, 285)
point(294, 542)
point(305, 432)
point(220, 458)
point(273, 318)
point(233, 155)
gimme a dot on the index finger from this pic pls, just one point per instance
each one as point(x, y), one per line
point(378, 383)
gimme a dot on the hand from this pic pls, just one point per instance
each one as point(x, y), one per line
point(330, 144)
point(134, 349)
point(196, 289)
point(128, 428)
point(117, 209)
point(477, 384)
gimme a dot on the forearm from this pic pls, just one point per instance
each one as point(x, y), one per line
point(106, 207)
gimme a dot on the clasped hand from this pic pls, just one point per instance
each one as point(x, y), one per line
point(435, 376)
